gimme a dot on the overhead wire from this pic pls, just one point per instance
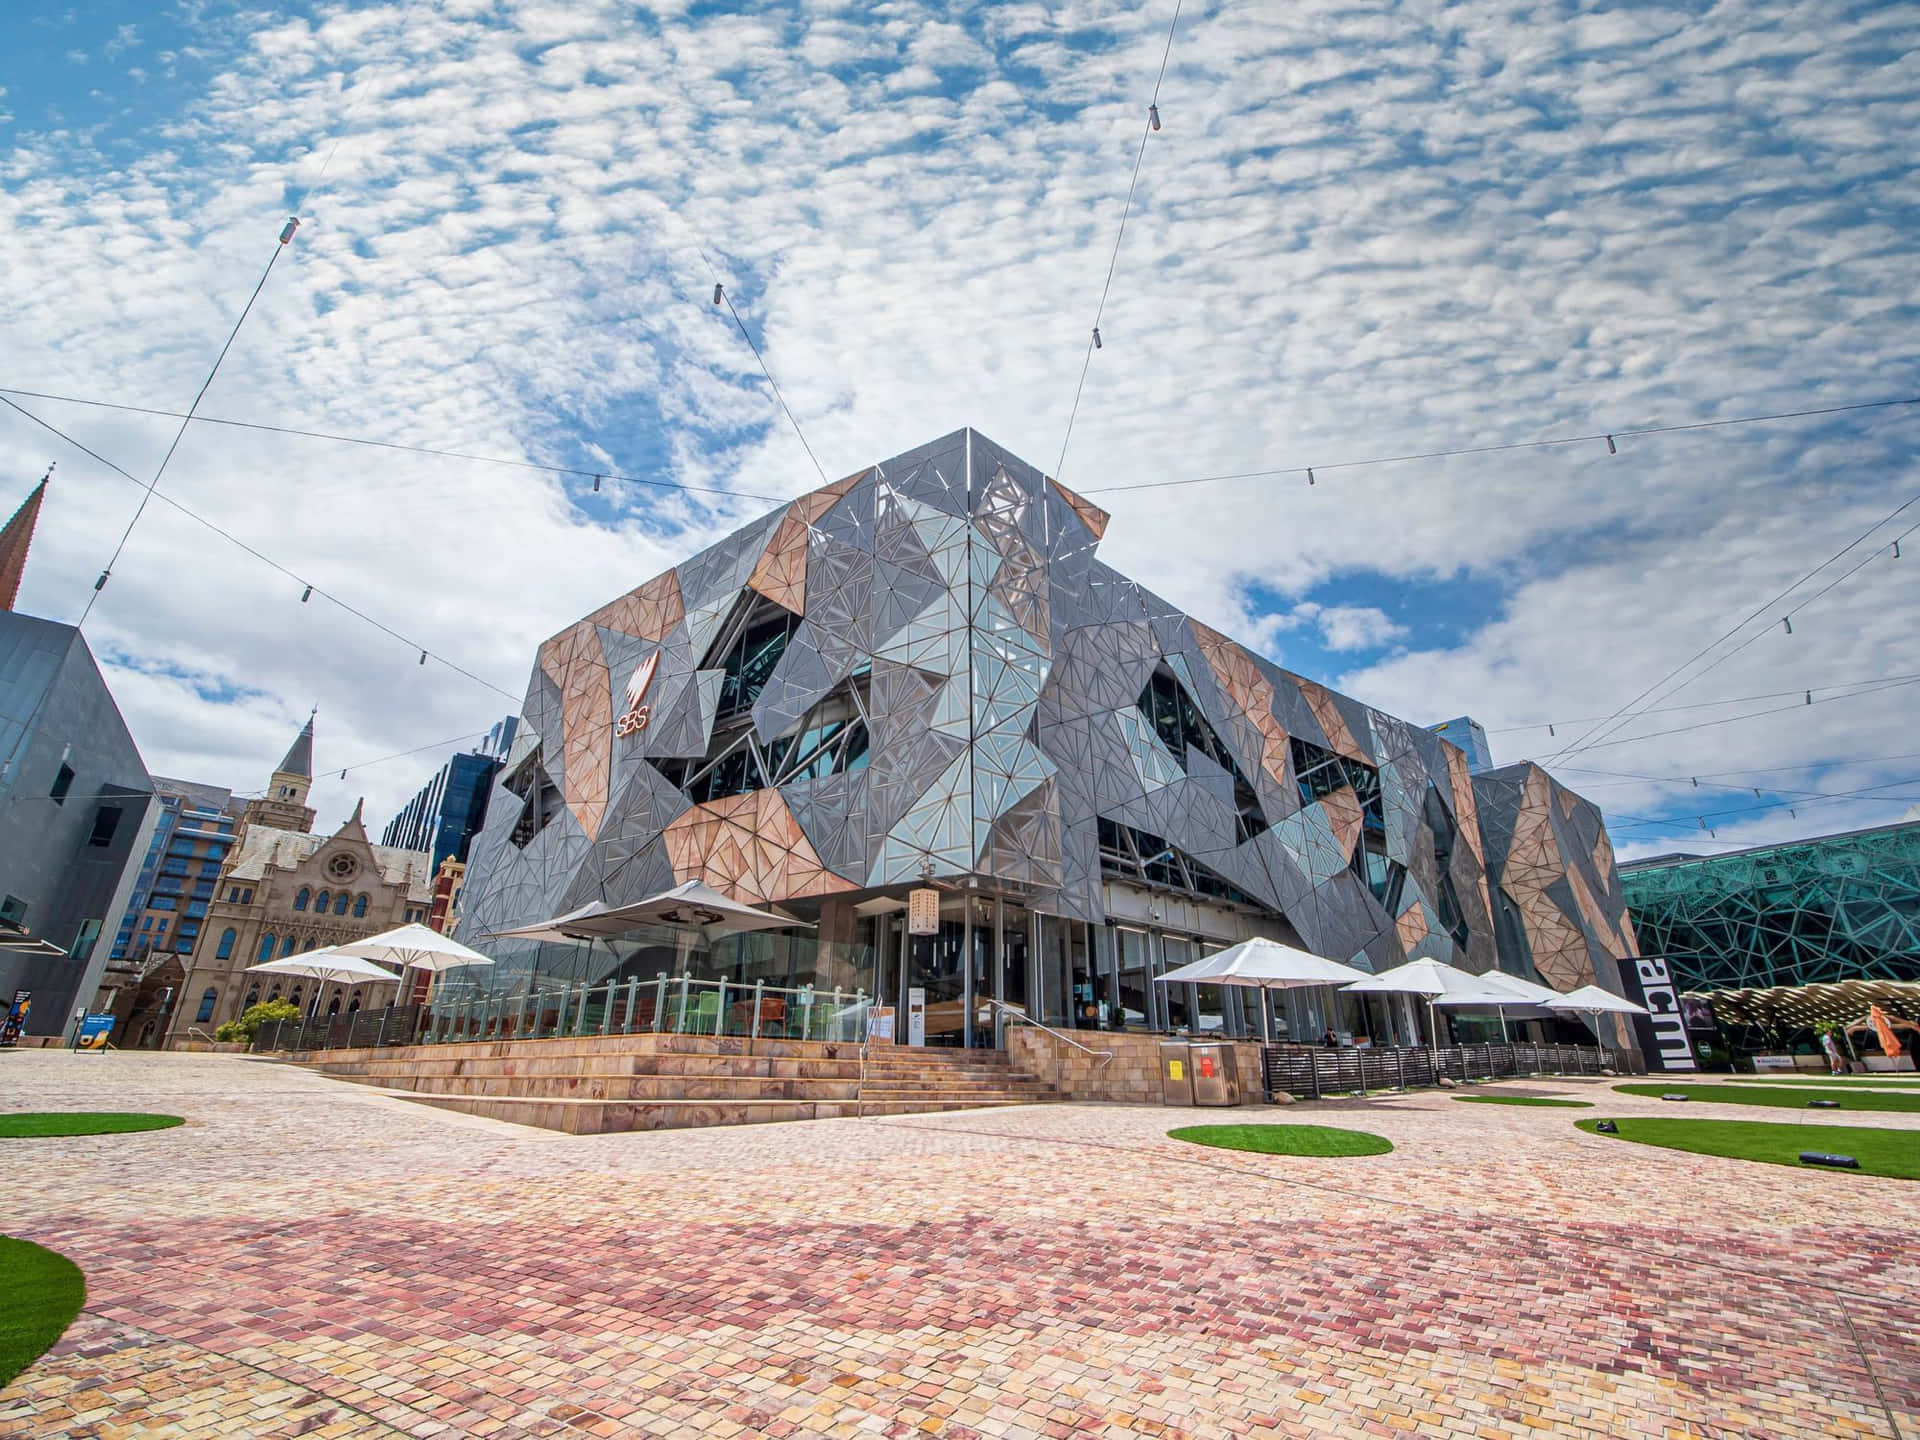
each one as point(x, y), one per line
point(1699, 704)
point(1625, 713)
point(1151, 124)
point(436, 452)
point(722, 294)
point(312, 586)
point(1595, 437)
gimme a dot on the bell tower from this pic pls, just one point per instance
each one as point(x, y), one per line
point(284, 806)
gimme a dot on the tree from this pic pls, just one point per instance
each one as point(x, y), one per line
point(248, 1025)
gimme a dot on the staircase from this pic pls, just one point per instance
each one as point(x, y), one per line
point(604, 1084)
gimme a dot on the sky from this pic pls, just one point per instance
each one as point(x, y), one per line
point(1361, 233)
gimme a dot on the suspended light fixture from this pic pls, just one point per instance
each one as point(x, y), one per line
point(1309, 475)
point(101, 583)
point(1896, 549)
point(1787, 620)
point(1696, 782)
point(306, 595)
point(596, 484)
point(343, 774)
point(423, 657)
point(1096, 338)
point(1756, 793)
point(1809, 697)
point(717, 291)
point(1153, 116)
point(286, 233)
point(1610, 449)
point(1552, 731)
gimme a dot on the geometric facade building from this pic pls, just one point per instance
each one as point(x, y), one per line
point(1840, 907)
point(1559, 909)
point(924, 670)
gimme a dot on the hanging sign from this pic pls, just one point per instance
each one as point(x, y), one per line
point(923, 912)
point(635, 717)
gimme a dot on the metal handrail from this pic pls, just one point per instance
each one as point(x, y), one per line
point(1105, 1057)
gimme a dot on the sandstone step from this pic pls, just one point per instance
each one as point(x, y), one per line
point(602, 1117)
point(637, 1087)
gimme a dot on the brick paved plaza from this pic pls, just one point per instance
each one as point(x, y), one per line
point(309, 1258)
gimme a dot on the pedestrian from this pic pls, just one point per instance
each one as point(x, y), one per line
point(1330, 1040)
point(1835, 1062)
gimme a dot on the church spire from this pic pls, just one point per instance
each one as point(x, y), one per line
point(15, 538)
point(299, 759)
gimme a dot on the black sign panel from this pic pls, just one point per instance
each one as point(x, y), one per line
point(1663, 1033)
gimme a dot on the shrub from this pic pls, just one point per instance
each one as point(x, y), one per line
point(248, 1025)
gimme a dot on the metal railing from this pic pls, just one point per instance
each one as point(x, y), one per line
point(667, 1004)
point(1314, 1072)
point(361, 1029)
point(1016, 1016)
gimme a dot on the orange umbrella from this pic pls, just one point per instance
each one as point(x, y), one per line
point(1882, 1027)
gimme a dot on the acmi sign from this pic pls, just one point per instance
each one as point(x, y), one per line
point(1663, 1031)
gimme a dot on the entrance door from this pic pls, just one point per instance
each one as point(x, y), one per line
point(1136, 980)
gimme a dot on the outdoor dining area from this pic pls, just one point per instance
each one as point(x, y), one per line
point(1331, 1067)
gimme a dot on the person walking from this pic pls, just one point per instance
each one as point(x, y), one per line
point(1836, 1063)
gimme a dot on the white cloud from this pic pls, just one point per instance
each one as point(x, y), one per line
point(1359, 233)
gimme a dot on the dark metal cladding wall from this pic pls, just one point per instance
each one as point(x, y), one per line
point(1000, 668)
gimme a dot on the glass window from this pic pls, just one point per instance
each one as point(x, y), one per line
point(300, 900)
point(106, 823)
point(359, 907)
point(253, 996)
point(1177, 720)
point(62, 783)
point(286, 947)
point(340, 903)
point(208, 999)
point(225, 949)
point(266, 946)
point(320, 901)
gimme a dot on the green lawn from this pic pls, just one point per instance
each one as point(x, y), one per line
point(1524, 1100)
point(1894, 1079)
point(39, 1125)
point(1892, 1153)
point(40, 1293)
point(1286, 1139)
point(1787, 1099)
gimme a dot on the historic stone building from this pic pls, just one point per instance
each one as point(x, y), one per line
point(285, 891)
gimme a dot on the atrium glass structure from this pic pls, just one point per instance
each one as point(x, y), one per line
point(924, 674)
point(1841, 907)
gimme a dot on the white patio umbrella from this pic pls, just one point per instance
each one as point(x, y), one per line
point(1593, 1002)
point(1433, 979)
point(329, 967)
point(1503, 992)
point(1263, 964)
point(414, 947)
point(691, 905)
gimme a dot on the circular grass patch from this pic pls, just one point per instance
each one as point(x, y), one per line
point(1525, 1100)
point(45, 1124)
point(1890, 1153)
point(1317, 1140)
point(40, 1293)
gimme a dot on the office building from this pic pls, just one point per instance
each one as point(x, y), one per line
point(451, 808)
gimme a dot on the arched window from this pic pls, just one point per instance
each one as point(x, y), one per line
point(300, 900)
point(333, 1008)
point(340, 903)
point(227, 937)
point(310, 943)
point(274, 996)
point(354, 1006)
point(320, 901)
point(266, 946)
point(207, 1001)
point(286, 947)
point(359, 907)
point(253, 997)
point(295, 997)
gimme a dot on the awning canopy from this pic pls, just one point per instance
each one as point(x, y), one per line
point(1432, 978)
point(414, 947)
point(1802, 1007)
point(1264, 964)
point(691, 906)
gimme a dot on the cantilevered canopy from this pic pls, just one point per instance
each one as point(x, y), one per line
point(692, 906)
point(1263, 963)
point(1794, 1007)
point(414, 947)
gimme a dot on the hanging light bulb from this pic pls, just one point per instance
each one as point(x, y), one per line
point(1787, 620)
point(1610, 449)
point(343, 774)
point(1552, 731)
point(101, 583)
point(1809, 697)
point(1153, 116)
point(717, 291)
point(286, 233)
point(1703, 822)
point(423, 657)
point(1096, 338)
point(1756, 793)
point(306, 595)
point(1696, 782)
point(1309, 475)
point(1896, 549)
point(1794, 813)
point(596, 484)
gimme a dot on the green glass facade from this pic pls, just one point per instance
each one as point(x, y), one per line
point(1842, 907)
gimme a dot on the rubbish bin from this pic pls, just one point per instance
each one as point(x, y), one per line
point(1215, 1071)
point(1176, 1073)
